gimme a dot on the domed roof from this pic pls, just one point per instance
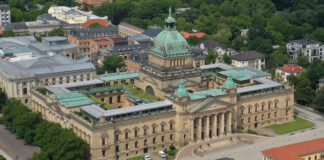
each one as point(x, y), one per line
point(182, 90)
point(169, 42)
point(229, 83)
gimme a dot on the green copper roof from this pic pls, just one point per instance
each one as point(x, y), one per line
point(170, 19)
point(182, 90)
point(205, 93)
point(229, 83)
point(169, 42)
point(238, 75)
point(16, 50)
point(118, 76)
point(73, 99)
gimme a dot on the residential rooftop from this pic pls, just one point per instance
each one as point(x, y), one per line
point(94, 32)
point(304, 41)
point(295, 151)
point(248, 56)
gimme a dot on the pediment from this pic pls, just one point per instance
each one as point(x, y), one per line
point(209, 104)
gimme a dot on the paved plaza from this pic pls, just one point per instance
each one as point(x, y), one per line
point(14, 148)
point(253, 152)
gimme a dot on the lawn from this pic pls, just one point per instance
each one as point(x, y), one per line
point(135, 158)
point(137, 92)
point(102, 104)
point(297, 124)
point(2, 158)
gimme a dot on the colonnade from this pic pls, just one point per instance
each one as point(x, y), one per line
point(210, 126)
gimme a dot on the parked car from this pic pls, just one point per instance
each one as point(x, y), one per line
point(146, 157)
point(162, 154)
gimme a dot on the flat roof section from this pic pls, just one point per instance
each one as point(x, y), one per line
point(118, 76)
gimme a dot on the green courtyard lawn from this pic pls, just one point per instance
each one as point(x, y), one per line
point(297, 124)
point(2, 157)
point(135, 158)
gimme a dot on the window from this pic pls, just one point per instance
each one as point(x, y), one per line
point(145, 142)
point(249, 110)
point(276, 104)
point(26, 101)
point(145, 131)
point(171, 126)
point(275, 114)
point(135, 144)
point(269, 106)
point(103, 152)
point(115, 82)
point(117, 148)
point(153, 130)
point(103, 141)
point(171, 136)
point(118, 99)
point(153, 140)
point(126, 135)
point(126, 146)
point(162, 128)
point(110, 100)
point(287, 103)
point(162, 138)
point(184, 136)
point(116, 137)
point(25, 91)
point(135, 133)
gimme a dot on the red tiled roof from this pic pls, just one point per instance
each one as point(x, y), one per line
point(134, 28)
point(102, 22)
point(186, 35)
point(293, 151)
point(288, 68)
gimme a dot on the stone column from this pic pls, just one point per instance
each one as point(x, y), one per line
point(207, 128)
point(229, 122)
point(199, 128)
point(215, 125)
point(222, 124)
point(192, 129)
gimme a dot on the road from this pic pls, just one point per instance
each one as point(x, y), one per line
point(253, 152)
point(15, 147)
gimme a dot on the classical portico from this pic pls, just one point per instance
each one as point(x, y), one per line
point(210, 126)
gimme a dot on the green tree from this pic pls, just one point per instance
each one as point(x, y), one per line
point(111, 64)
point(56, 32)
point(318, 102)
point(302, 61)
point(318, 34)
point(280, 56)
point(8, 33)
point(211, 56)
point(304, 93)
point(227, 59)
point(95, 25)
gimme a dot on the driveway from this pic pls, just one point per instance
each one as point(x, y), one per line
point(15, 148)
point(253, 151)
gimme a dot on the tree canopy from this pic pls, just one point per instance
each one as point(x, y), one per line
point(54, 141)
point(111, 64)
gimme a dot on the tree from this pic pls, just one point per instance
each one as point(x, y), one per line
point(227, 59)
point(111, 64)
point(318, 102)
point(304, 93)
point(318, 34)
point(8, 33)
point(95, 25)
point(302, 61)
point(211, 56)
point(280, 57)
point(56, 32)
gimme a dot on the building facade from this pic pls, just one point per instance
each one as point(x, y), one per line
point(249, 58)
point(85, 38)
point(4, 14)
point(127, 30)
point(184, 106)
point(308, 48)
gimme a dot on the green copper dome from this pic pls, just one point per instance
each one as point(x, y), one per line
point(182, 90)
point(229, 83)
point(170, 43)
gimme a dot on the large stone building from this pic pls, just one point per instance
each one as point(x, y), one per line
point(306, 47)
point(184, 106)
